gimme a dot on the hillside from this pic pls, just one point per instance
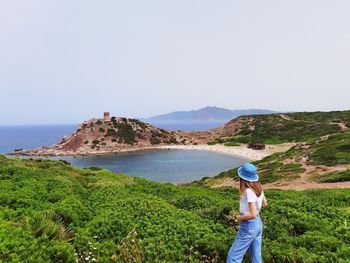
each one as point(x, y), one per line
point(54, 212)
point(97, 136)
point(281, 128)
point(306, 165)
point(208, 113)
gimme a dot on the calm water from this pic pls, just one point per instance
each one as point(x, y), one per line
point(28, 137)
point(176, 166)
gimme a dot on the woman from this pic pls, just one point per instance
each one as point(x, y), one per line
point(252, 198)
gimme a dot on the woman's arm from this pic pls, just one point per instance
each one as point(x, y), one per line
point(252, 213)
point(264, 202)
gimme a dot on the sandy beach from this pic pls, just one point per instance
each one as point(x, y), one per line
point(241, 151)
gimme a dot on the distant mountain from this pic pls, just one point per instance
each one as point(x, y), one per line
point(207, 114)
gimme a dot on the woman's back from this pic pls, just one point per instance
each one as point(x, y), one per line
point(249, 196)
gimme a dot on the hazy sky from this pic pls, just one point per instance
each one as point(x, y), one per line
point(65, 61)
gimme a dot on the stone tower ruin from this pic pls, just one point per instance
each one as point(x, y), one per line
point(106, 116)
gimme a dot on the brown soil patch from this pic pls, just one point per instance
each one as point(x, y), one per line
point(226, 182)
point(74, 174)
point(280, 147)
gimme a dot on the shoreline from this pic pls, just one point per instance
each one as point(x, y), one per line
point(240, 151)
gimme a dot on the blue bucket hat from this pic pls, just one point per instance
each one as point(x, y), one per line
point(248, 172)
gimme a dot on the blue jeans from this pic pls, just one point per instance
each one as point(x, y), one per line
point(248, 237)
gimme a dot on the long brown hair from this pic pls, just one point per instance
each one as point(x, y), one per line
point(255, 186)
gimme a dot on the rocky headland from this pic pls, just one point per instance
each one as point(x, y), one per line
point(112, 135)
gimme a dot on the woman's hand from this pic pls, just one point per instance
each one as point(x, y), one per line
point(264, 202)
point(237, 219)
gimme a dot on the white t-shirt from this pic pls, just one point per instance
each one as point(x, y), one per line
point(248, 197)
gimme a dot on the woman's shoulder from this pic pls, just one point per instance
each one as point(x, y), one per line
point(250, 192)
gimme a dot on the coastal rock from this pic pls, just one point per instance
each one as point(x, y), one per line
point(256, 146)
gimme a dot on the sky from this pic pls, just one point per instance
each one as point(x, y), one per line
point(67, 61)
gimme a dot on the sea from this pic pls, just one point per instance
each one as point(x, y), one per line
point(172, 166)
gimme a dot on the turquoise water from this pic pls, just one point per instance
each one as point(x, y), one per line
point(174, 166)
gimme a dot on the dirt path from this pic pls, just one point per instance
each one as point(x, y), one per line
point(286, 117)
point(229, 182)
point(342, 125)
point(306, 185)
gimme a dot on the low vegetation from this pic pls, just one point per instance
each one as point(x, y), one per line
point(54, 212)
point(289, 127)
point(332, 150)
point(334, 177)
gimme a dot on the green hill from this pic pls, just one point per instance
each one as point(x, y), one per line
point(280, 128)
point(54, 212)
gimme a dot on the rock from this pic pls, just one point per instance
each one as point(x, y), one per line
point(256, 146)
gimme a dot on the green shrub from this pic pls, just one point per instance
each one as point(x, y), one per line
point(111, 132)
point(101, 130)
point(154, 140)
point(95, 142)
point(51, 226)
point(334, 177)
point(127, 133)
point(231, 144)
point(172, 140)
